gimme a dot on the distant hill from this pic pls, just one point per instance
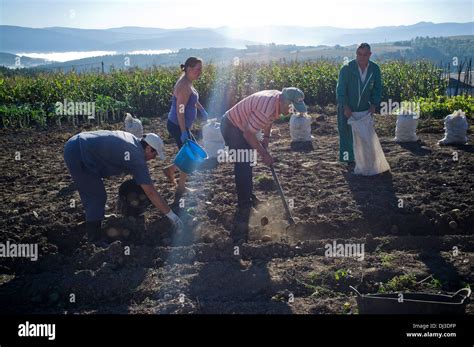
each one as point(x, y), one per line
point(58, 39)
point(13, 60)
point(19, 39)
point(437, 50)
point(404, 32)
point(342, 36)
point(119, 61)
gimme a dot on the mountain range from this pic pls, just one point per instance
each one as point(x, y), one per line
point(15, 39)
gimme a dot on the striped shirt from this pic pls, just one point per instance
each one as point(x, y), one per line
point(258, 110)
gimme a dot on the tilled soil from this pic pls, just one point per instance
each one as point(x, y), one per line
point(414, 222)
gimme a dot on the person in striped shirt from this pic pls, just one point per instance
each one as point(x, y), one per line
point(240, 126)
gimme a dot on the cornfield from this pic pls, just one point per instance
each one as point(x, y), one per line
point(30, 100)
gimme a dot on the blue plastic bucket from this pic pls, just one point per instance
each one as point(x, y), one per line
point(190, 156)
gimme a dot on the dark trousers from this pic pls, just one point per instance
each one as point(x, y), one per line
point(234, 139)
point(175, 132)
point(89, 184)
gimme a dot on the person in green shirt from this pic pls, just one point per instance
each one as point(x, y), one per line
point(359, 88)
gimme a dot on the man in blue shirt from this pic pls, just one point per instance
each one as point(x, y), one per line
point(92, 156)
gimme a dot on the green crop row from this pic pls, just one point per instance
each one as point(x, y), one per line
point(147, 93)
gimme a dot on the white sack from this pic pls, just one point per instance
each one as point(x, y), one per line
point(300, 128)
point(455, 129)
point(133, 125)
point(369, 157)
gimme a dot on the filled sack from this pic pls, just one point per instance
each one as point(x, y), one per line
point(405, 130)
point(133, 125)
point(212, 138)
point(300, 128)
point(455, 129)
point(368, 154)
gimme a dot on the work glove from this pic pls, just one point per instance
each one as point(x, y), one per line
point(176, 221)
point(184, 136)
point(204, 114)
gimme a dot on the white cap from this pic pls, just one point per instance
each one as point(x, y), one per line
point(156, 143)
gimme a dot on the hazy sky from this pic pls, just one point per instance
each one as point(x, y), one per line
point(215, 13)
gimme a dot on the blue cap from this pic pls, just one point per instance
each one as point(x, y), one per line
point(296, 97)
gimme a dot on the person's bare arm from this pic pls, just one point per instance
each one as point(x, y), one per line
point(251, 138)
point(266, 135)
point(155, 198)
point(161, 204)
point(182, 94)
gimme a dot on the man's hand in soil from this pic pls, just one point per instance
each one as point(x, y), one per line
point(347, 112)
point(177, 222)
point(161, 204)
